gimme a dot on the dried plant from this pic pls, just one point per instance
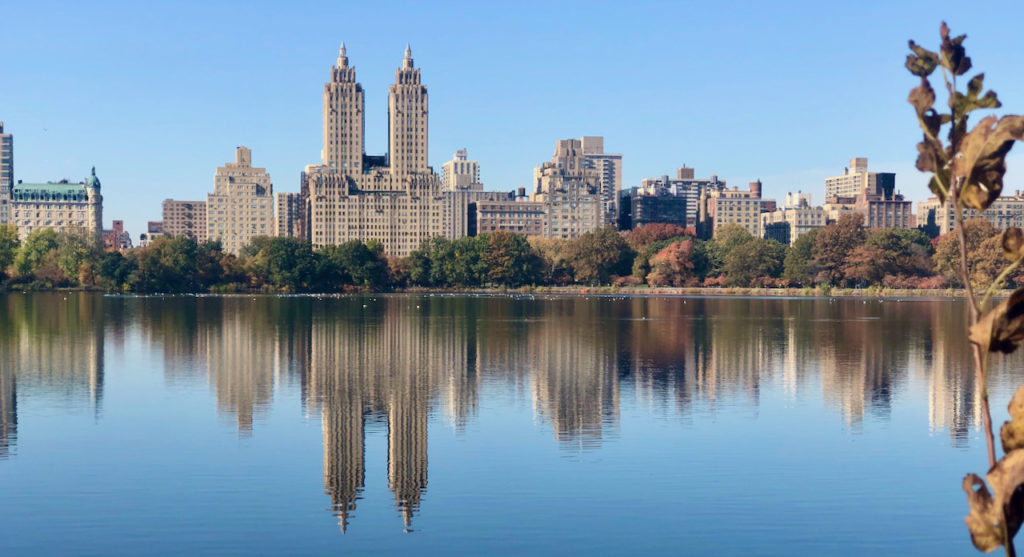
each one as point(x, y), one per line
point(967, 170)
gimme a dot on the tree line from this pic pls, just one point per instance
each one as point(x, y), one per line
point(842, 254)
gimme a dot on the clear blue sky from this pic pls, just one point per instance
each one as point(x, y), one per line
point(157, 95)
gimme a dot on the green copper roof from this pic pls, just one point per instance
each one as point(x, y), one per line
point(51, 188)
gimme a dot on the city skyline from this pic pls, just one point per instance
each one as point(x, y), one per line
point(744, 119)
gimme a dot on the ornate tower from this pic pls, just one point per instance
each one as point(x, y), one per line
point(407, 120)
point(344, 122)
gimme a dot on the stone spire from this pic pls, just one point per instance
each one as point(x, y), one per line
point(342, 56)
point(407, 61)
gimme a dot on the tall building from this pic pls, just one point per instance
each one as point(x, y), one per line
point(671, 200)
point(570, 190)
point(184, 218)
point(241, 206)
point(461, 173)
point(57, 205)
point(6, 173)
point(396, 198)
point(288, 214)
point(872, 194)
point(856, 179)
point(608, 170)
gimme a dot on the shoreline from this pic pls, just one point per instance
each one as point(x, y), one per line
point(628, 291)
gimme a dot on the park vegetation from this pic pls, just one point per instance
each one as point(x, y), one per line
point(843, 254)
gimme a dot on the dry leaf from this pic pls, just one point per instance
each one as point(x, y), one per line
point(1012, 432)
point(1001, 329)
point(1013, 243)
point(1006, 501)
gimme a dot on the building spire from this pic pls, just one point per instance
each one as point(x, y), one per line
point(407, 61)
point(342, 56)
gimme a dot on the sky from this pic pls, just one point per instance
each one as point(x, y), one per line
point(156, 95)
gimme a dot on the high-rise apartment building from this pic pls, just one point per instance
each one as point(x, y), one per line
point(671, 200)
point(288, 214)
point(872, 194)
point(6, 173)
point(736, 207)
point(397, 198)
point(184, 218)
point(570, 190)
point(857, 179)
point(608, 169)
point(460, 173)
point(57, 205)
point(241, 206)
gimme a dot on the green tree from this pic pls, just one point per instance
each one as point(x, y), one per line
point(118, 272)
point(510, 261)
point(356, 263)
point(554, 263)
point(596, 256)
point(37, 244)
point(799, 266)
point(75, 248)
point(753, 260)
point(982, 253)
point(281, 263)
point(901, 251)
point(727, 238)
point(8, 246)
point(168, 265)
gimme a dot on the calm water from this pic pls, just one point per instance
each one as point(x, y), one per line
point(486, 425)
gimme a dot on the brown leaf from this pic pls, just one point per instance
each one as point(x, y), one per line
point(1001, 329)
point(1013, 243)
point(983, 518)
point(923, 62)
point(988, 510)
point(981, 161)
point(953, 56)
point(1012, 432)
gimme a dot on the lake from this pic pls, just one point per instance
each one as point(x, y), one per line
point(487, 425)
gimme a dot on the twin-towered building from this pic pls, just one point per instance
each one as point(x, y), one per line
point(396, 198)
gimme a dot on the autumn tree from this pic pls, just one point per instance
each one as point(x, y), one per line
point(835, 242)
point(642, 236)
point(982, 253)
point(596, 256)
point(510, 261)
point(672, 265)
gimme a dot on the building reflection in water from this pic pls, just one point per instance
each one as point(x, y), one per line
point(406, 360)
point(53, 355)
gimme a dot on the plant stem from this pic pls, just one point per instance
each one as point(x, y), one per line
point(979, 364)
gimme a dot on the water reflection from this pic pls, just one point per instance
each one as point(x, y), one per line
point(402, 360)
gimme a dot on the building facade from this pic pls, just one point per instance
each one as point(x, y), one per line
point(460, 173)
point(287, 214)
point(857, 179)
point(797, 217)
point(396, 199)
point(6, 173)
point(569, 188)
point(241, 206)
point(734, 206)
point(607, 168)
point(1005, 212)
point(58, 205)
point(184, 218)
point(116, 239)
point(672, 200)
